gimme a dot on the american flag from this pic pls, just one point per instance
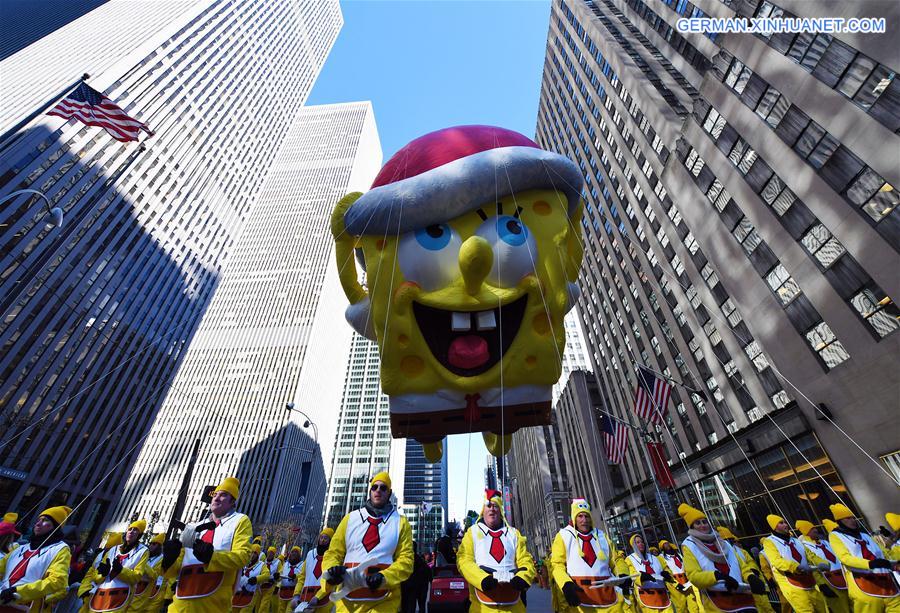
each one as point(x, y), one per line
point(93, 108)
point(615, 438)
point(651, 396)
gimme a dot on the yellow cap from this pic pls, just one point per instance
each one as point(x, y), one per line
point(329, 532)
point(113, 539)
point(255, 548)
point(257, 539)
point(383, 477)
point(271, 550)
point(140, 524)
point(689, 514)
point(828, 524)
point(803, 526)
point(230, 485)
point(57, 514)
point(11, 518)
point(580, 505)
point(725, 533)
point(893, 520)
point(296, 548)
point(495, 497)
point(840, 512)
point(654, 551)
point(662, 544)
point(159, 539)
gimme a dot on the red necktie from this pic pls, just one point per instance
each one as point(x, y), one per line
point(497, 551)
point(647, 568)
point(371, 537)
point(794, 553)
point(247, 572)
point(827, 553)
point(19, 571)
point(587, 549)
point(720, 566)
point(317, 570)
point(868, 555)
point(677, 561)
point(208, 535)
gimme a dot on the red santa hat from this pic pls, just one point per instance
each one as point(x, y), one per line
point(447, 173)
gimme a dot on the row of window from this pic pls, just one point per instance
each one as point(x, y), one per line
point(866, 190)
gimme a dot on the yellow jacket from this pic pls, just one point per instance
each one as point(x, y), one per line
point(778, 562)
point(701, 579)
point(558, 562)
point(301, 579)
point(395, 574)
point(846, 559)
point(227, 562)
point(55, 580)
point(465, 562)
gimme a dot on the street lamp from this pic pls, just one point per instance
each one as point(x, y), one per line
point(54, 213)
point(307, 422)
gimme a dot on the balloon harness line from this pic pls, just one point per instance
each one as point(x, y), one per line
point(703, 502)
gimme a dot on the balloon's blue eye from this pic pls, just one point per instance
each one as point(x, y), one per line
point(511, 231)
point(434, 238)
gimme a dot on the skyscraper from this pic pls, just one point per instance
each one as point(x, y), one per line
point(244, 364)
point(425, 488)
point(362, 443)
point(741, 238)
point(96, 313)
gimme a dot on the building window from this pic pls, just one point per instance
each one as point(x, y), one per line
point(820, 243)
point(824, 343)
point(782, 284)
point(780, 399)
point(880, 313)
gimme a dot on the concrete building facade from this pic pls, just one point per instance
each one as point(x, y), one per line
point(741, 237)
point(244, 365)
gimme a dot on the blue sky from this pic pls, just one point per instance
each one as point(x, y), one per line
point(427, 65)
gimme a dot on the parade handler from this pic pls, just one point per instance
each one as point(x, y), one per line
point(651, 593)
point(494, 560)
point(309, 585)
point(680, 591)
point(872, 585)
point(712, 566)
point(582, 555)
point(791, 569)
point(121, 571)
point(206, 568)
point(37, 569)
point(247, 596)
point(830, 577)
point(376, 535)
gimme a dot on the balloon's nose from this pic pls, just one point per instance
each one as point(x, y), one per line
point(475, 261)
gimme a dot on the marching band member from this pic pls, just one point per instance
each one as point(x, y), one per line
point(749, 570)
point(871, 584)
point(309, 589)
point(680, 591)
point(290, 576)
point(712, 566)
point(206, 570)
point(247, 595)
point(791, 569)
point(581, 555)
point(829, 575)
point(651, 594)
point(8, 534)
point(40, 567)
point(154, 595)
point(376, 534)
point(268, 593)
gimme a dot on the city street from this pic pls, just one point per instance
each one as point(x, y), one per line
point(539, 600)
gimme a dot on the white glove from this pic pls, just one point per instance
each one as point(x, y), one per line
point(503, 576)
point(301, 607)
point(823, 566)
point(189, 535)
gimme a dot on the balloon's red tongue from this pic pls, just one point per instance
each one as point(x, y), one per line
point(468, 351)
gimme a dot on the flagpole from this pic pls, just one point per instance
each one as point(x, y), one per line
point(675, 381)
point(646, 454)
point(7, 139)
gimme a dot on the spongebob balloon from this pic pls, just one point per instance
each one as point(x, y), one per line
point(470, 242)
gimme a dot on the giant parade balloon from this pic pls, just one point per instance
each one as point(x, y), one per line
point(469, 244)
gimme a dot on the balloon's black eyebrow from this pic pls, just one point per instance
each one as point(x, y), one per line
point(481, 214)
